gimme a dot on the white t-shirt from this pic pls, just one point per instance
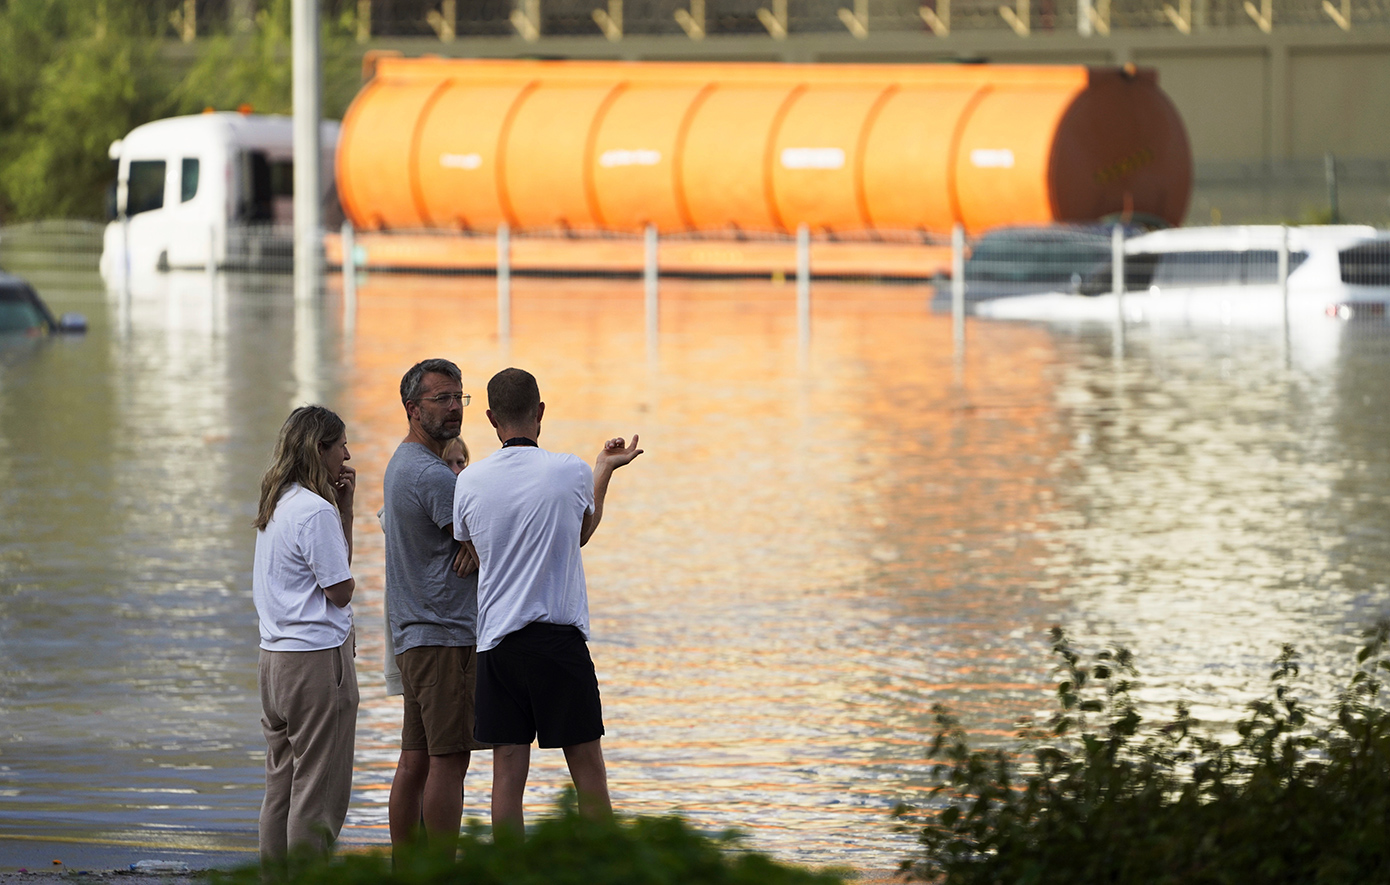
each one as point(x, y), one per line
point(523, 508)
point(299, 552)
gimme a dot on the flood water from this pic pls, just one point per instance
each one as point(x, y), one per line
point(818, 546)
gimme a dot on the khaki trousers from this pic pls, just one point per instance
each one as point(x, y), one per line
point(309, 700)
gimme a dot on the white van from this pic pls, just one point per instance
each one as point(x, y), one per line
point(1228, 275)
point(209, 187)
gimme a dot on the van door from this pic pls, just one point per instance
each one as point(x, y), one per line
point(170, 215)
point(190, 211)
point(265, 188)
point(146, 195)
point(264, 191)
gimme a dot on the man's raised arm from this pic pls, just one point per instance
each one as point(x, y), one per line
point(614, 455)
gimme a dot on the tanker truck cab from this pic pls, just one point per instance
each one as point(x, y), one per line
point(214, 188)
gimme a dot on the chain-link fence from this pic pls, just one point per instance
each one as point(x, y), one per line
point(63, 256)
point(1312, 191)
point(263, 248)
point(54, 256)
point(883, 256)
point(448, 19)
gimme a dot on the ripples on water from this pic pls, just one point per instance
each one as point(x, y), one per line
point(814, 550)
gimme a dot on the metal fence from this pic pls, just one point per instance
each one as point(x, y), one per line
point(451, 19)
point(55, 256)
point(1309, 191)
point(955, 276)
point(733, 253)
point(1001, 262)
point(263, 248)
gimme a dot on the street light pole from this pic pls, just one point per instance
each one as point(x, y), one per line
point(308, 111)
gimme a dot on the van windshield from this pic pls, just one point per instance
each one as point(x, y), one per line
point(145, 186)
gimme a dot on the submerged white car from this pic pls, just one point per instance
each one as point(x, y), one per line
point(1227, 275)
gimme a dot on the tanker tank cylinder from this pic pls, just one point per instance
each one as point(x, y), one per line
point(469, 144)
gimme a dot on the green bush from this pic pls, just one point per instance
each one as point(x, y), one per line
point(566, 849)
point(1100, 796)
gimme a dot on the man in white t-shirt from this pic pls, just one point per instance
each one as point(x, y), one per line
point(525, 513)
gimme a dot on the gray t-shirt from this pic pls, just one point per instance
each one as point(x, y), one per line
point(426, 603)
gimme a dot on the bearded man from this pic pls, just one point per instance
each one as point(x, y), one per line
point(431, 611)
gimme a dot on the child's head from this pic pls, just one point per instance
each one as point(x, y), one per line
point(456, 455)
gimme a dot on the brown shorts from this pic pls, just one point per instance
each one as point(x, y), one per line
point(440, 685)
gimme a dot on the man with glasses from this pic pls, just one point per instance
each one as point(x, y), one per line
point(431, 611)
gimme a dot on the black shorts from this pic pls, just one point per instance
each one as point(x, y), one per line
point(538, 681)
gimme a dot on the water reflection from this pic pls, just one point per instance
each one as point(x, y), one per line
point(804, 562)
point(1218, 504)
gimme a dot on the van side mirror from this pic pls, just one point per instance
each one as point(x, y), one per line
point(72, 322)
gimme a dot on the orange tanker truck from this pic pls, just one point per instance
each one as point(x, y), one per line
point(852, 151)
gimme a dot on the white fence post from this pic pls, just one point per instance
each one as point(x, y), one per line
point(1117, 285)
point(958, 288)
point(349, 249)
point(126, 262)
point(651, 278)
point(803, 287)
point(1284, 284)
point(504, 281)
point(123, 314)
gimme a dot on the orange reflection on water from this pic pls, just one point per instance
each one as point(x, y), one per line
point(789, 578)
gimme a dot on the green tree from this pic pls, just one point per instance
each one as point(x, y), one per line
point(78, 75)
point(255, 69)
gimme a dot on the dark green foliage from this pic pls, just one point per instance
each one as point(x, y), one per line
point(255, 68)
point(1102, 797)
point(563, 850)
point(75, 75)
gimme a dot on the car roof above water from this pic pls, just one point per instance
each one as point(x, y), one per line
point(1047, 233)
point(1252, 237)
point(11, 284)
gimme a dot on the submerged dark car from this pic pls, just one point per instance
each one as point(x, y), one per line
point(22, 311)
point(1022, 260)
point(1025, 260)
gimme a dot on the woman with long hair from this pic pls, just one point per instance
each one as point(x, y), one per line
point(302, 586)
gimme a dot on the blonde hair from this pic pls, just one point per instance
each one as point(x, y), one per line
point(462, 446)
point(298, 458)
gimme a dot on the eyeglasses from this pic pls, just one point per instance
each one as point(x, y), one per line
point(445, 399)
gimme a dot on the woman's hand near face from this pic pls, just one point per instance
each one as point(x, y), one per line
point(346, 486)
